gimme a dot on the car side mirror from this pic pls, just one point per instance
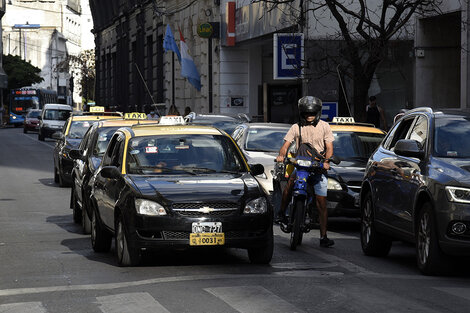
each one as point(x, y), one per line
point(336, 160)
point(75, 154)
point(256, 169)
point(111, 172)
point(409, 148)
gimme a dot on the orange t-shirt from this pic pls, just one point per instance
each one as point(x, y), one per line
point(315, 135)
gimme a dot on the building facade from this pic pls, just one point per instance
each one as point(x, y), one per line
point(44, 33)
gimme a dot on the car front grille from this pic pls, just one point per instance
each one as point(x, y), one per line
point(354, 185)
point(175, 235)
point(205, 209)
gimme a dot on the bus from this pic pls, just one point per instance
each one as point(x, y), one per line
point(24, 99)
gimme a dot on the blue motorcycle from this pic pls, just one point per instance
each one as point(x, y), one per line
point(302, 194)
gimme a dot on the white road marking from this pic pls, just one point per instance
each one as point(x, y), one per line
point(455, 291)
point(139, 302)
point(25, 307)
point(41, 142)
point(252, 299)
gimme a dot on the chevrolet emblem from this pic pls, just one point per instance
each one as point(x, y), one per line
point(206, 209)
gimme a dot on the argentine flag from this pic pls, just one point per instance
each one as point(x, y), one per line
point(169, 43)
point(188, 68)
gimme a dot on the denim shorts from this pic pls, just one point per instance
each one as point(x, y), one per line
point(321, 185)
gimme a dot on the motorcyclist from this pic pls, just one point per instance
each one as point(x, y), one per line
point(310, 130)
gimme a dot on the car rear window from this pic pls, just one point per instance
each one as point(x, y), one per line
point(59, 115)
point(265, 139)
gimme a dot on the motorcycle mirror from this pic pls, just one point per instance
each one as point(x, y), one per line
point(336, 160)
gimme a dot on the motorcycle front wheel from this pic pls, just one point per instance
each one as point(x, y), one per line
point(298, 216)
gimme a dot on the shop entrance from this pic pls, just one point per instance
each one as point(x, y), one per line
point(282, 103)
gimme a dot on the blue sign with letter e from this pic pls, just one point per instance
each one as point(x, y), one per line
point(329, 110)
point(288, 56)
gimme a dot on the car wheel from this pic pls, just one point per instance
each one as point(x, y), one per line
point(62, 181)
point(263, 255)
point(372, 242)
point(100, 238)
point(25, 130)
point(86, 222)
point(429, 255)
point(77, 212)
point(56, 175)
point(40, 136)
point(127, 254)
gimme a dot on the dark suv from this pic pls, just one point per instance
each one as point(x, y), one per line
point(417, 188)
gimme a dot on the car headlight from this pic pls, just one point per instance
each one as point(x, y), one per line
point(147, 207)
point(256, 206)
point(333, 184)
point(304, 163)
point(458, 194)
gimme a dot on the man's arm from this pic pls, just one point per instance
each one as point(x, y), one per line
point(328, 154)
point(283, 151)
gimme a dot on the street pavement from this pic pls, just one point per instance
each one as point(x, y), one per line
point(48, 265)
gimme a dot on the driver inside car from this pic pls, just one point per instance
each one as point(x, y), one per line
point(310, 130)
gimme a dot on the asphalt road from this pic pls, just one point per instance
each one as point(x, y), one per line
point(47, 265)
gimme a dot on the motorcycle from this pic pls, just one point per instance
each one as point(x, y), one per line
point(299, 221)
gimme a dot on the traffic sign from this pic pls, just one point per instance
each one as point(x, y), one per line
point(329, 110)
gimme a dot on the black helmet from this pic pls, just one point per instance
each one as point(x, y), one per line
point(309, 105)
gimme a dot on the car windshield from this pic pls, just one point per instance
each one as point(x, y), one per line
point(59, 115)
point(452, 137)
point(227, 126)
point(78, 129)
point(183, 154)
point(354, 145)
point(33, 114)
point(265, 139)
point(104, 136)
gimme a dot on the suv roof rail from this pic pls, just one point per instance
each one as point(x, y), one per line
point(420, 109)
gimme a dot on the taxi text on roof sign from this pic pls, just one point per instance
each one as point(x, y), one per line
point(343, 120)
point(135, 116)
point(171, 120)
point(96, 109)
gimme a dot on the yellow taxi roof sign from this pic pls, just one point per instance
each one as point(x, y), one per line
point(343, 120)
point(135, 116)
point(96, 109)
point(172, 120)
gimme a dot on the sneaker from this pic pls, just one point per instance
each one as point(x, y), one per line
point(325, 242)
point(280, 219)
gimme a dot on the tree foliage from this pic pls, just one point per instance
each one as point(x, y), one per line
point(365, 27)
point(20, 73)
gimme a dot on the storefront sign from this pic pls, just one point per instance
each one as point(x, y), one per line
point(288, 56)
point(205, 30)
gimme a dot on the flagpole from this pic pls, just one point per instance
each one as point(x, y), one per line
point(173, 78)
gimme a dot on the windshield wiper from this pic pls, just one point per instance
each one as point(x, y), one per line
point(163, 168)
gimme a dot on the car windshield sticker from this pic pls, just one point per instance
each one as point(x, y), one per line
point(452, 153)
point(151, 149)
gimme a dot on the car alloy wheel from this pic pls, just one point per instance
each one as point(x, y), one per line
point(373, 243)
point(424, 238)
point(126, 254)
point(366, 221)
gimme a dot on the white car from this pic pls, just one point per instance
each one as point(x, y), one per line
point(260, 142)
point(52, 119)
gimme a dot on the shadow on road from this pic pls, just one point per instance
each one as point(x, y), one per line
point(49, 182)
point(65, 222)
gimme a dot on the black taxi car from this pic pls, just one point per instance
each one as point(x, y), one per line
point(87, 160)
point(178, 186)
point(72, 133)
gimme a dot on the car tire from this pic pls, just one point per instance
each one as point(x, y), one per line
point(56, 175)
point(126, 253)
point(100, 238)
point(429, 256)
point(25, 130)
point(62, 181)
point(86, 222)
point(40, 136)
point(263, 255)
point(373, 243)
point(77, 212)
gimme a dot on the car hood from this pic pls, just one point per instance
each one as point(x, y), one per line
point(210, 188)
point(349, 170)
point(455, 169)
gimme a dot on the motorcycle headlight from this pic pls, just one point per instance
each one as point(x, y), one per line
point(333, 184)
point(256, 206)
point(304, 163)
point(458, 194)
point(147, 207)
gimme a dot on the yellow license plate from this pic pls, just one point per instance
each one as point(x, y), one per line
point(206, 239)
